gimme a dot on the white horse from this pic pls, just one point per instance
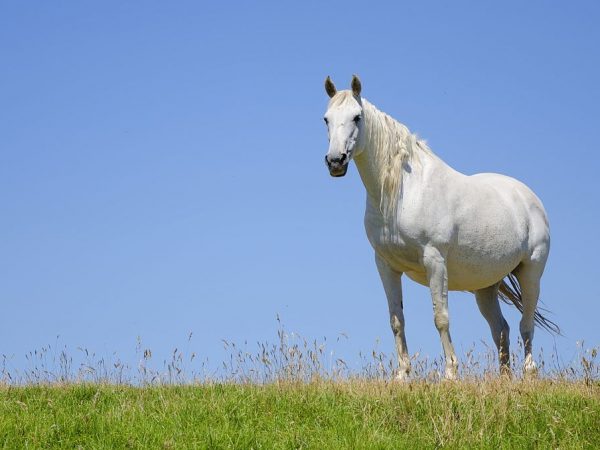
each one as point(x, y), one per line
point(441, 228)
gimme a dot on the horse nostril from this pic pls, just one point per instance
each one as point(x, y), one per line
point(337, 160)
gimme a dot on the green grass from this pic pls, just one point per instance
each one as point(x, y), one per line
point(295, 394)
point(494, 413)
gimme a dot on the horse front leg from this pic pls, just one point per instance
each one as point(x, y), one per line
point(437, 275)
point(392, 284)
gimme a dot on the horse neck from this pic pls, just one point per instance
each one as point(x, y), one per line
point(388, 150)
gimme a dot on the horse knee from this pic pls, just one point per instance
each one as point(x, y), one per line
point(441, 321)
point(397, 324)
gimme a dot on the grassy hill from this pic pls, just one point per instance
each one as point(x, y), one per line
point(493, 413)
point(294, 394)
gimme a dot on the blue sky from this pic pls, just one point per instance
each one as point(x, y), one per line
point(161, 165)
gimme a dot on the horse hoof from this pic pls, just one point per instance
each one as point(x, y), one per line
point(401, 377)
point(506, 372)
point(530, 368)
point(450, 374)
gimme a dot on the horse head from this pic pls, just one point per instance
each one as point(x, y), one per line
point(344, 120)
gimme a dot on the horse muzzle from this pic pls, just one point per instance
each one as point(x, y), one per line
point(337, 166)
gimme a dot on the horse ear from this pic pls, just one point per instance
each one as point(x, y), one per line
point(356, 86)
point(330, 87)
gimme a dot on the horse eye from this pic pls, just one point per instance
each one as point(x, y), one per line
point(356, 119)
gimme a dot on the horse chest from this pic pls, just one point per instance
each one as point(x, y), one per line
point(395, 246)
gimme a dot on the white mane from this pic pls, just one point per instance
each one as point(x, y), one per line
point(391, 142)
point(393, 146)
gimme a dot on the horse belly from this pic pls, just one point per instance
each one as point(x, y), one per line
point(469, 267)
point(469, 272)
point(468, 276)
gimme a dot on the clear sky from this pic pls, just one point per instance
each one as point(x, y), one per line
point(161, 165)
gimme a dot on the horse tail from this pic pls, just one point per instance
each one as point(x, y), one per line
point(510, 293)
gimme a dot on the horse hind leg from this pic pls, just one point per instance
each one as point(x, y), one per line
point(487, 301)
point(529, 274)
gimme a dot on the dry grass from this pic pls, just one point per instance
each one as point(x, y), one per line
point(292, 358)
